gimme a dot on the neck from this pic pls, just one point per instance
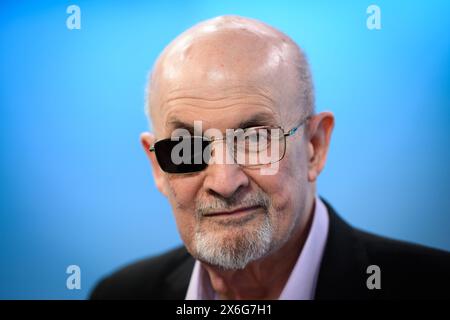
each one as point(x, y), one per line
point(264, 278)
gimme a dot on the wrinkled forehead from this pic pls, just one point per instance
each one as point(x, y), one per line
point(221, 73)
point(230, 108)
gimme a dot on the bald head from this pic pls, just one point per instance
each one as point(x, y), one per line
point(253, 194)
point(229, 54)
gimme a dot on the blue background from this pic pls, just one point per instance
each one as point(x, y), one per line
point(76, 188)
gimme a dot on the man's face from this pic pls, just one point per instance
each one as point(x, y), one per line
point(227, 214)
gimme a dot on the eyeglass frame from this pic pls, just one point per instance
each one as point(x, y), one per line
point(290, 133)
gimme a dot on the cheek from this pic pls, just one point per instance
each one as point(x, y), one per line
point(288, 190)
point(287, 184)
point(183, 191)
point(296, 159)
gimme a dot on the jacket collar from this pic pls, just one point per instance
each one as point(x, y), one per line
point(342, 273)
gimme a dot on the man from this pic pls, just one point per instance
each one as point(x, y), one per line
point(255, 229)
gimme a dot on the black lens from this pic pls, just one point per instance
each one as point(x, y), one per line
point(182, 156)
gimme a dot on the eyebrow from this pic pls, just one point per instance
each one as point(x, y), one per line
point(178, 124)
point(256, 120)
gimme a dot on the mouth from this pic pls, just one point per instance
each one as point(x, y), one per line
point(234, 213)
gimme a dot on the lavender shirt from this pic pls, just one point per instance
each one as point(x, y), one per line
point(302, 281)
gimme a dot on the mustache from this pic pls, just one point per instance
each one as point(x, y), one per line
point(218, 203)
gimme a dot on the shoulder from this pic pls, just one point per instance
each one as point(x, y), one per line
point(411, 269)
point(406, 270)
point(402, 253)
point(148, 278)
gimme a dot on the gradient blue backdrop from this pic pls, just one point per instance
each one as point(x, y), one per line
point(76, 187)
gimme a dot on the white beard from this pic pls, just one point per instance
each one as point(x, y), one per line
point(234, 252)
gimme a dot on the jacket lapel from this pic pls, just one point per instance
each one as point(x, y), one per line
point(342, 273)
point(177, 282)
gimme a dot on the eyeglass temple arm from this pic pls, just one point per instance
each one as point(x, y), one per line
point(291, 132)
point(294, 130)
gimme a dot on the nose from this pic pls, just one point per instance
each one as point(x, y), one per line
point(225, 179)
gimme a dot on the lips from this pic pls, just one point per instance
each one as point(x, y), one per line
point(237, 211)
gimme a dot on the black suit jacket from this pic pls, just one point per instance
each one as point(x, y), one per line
point(407, 270)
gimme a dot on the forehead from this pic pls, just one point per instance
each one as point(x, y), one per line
point(222, 77)
point(234, 107)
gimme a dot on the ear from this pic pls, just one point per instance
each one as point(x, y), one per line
point(319, 134)
point(147, 140)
